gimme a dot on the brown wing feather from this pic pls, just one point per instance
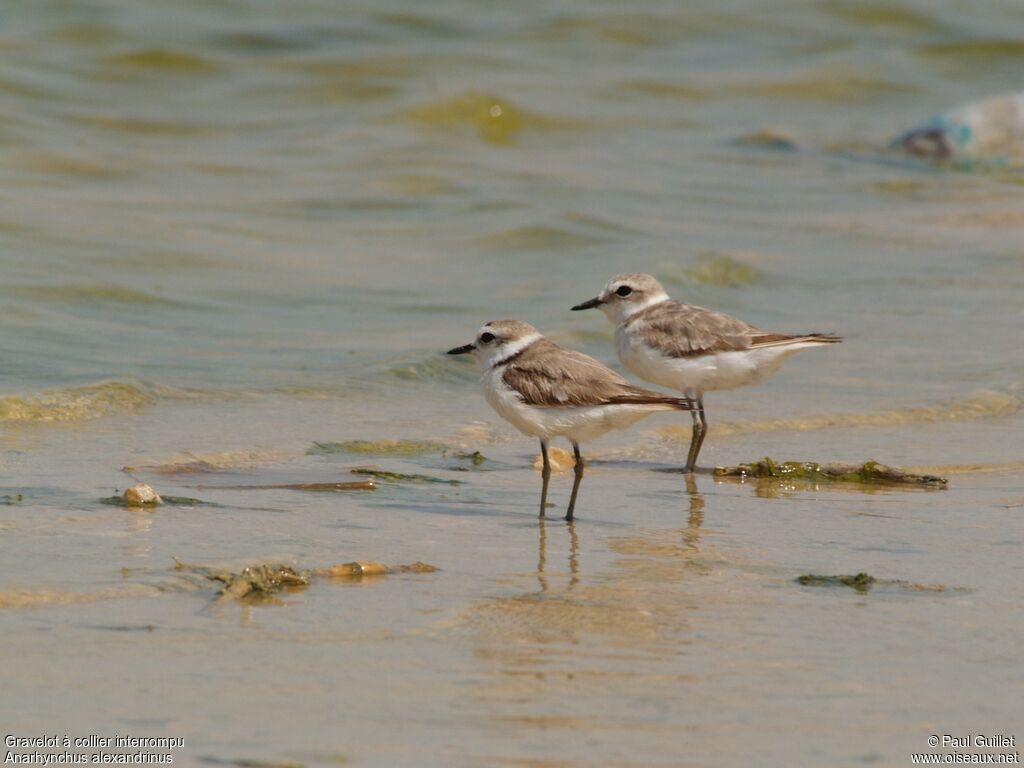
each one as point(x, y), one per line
point(549, 376)
point(683, 330)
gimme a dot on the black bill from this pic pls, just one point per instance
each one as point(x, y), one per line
point(594, 302)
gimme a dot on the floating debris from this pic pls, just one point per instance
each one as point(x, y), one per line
point(8, 500)
point(402, 477)
point(360, 485)
point(766, 138)
point(141, 495)
point(859, 581)
point(862, 582)
point(378, 447)
point(466, 461)
point(475, 458)
point(265, 579)
point(988, 129)
point(256, 580)
point(559, 458)
point(868, 472)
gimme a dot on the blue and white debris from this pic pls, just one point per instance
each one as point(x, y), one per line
point(989, 130)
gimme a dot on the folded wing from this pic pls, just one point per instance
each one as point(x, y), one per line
point(548, 376)
point(683, 330)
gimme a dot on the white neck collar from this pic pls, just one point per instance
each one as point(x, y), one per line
point(650, 302)
point(513, 349)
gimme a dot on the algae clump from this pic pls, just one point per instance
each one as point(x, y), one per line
point(378, 447)
point(173, 501)
point(265, 579)
point(861, 582)
point(362, 485)
point(475, 458)
point(254, 580)
point(870, 472)
point(721, 269)
point(400, 477)
point(495, 120)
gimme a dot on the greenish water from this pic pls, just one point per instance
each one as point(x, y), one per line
point(232, 230)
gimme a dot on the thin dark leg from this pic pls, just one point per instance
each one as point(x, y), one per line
point(700, 429)
point(578, 472)
point(691, 459)
point(545, 474)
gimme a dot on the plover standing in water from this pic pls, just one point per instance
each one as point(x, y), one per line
point(690, 348)
point(547, 391)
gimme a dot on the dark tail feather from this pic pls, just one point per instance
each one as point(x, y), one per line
point(679, 403)
point(783, 339)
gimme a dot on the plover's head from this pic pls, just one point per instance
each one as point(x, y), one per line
point(499, 340)
point(626, 294)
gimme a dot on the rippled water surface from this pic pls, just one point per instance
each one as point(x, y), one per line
point(231, 230)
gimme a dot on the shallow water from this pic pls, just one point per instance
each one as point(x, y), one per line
point(230, 232)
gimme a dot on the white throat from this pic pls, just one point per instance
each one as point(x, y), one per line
point(514, 348)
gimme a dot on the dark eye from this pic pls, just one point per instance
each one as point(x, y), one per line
point(623, 290)
point(486, 338)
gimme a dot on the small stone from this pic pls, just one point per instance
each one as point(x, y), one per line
point(141, 495)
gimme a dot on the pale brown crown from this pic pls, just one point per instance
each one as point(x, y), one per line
point(640, 282)
point(508, 330)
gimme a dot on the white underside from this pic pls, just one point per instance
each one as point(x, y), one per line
point(577, 423)
point(703, 373)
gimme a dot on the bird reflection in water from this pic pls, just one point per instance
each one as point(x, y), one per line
point(574, 550)
point(691, 533)
point(690, 536)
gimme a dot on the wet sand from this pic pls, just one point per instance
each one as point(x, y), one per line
point(664, 627)
point(237, 239)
